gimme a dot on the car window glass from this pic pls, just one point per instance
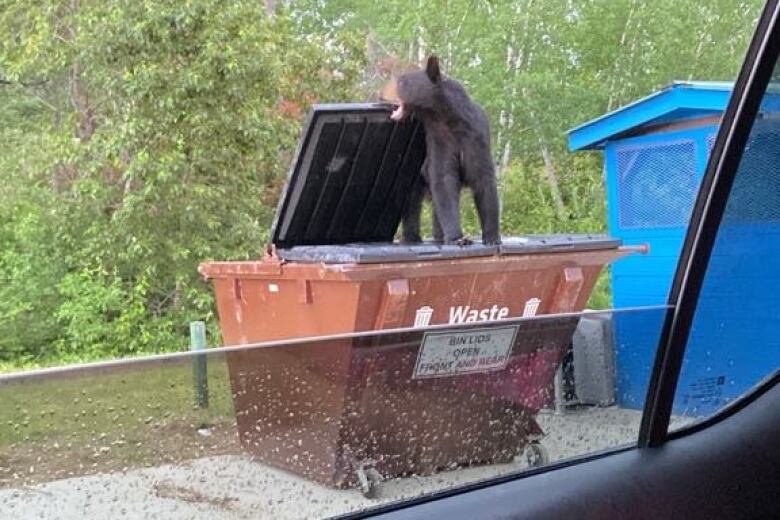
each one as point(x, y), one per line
point(733, 342)
point(310, 429)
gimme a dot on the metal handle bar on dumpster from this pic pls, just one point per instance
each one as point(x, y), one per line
point(642, 249)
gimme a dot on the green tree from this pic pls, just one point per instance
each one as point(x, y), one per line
point(159, 136)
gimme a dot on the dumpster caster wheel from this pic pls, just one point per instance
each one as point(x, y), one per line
point(369, 479)
point(536, 455)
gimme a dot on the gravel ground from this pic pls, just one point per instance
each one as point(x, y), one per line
point(237, 487)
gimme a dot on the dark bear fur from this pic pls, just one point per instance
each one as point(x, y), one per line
point(457, 136)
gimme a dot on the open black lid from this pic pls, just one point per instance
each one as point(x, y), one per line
point(350, 178)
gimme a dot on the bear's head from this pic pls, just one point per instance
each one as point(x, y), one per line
point(414, 89)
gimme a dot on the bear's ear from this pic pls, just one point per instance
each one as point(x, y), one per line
point(432, 69)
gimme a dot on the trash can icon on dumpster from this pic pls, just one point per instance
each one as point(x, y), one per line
point(389, 403)
point(531, 307)
point(422, 318)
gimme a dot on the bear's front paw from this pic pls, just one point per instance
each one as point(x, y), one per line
point(399, 113)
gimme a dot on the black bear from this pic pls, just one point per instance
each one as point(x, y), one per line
point(457, 138)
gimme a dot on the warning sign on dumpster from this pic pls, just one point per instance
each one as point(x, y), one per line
point(453, 353)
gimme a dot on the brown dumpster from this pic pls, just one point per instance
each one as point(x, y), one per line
point(345, 411)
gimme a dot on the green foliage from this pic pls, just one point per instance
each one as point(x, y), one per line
point(144, 138)
point(30, 273)
point(103, 315)
point(141, 138)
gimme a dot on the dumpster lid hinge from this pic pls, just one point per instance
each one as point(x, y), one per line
point(270, 255)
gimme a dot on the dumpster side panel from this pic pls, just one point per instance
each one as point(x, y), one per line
point(289, 405)
point(418, 426)
point(407, 425)
point(266, 309)
point(528, 378)
point(474, 297)
point(290, 401)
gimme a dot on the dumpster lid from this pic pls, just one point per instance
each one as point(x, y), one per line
point(382, 252)
point(556, 243)
point(350, 176)
point(390, 252)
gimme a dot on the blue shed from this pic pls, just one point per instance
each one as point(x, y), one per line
point(655, 153)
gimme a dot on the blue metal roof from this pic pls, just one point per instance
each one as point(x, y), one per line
point(678, 101)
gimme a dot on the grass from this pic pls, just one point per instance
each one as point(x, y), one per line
point(59, 427)
point(601, 295)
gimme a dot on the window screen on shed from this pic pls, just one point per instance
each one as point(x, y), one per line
point(656, 184)
point(755, 195)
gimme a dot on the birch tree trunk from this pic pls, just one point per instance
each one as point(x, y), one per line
point(552, 181)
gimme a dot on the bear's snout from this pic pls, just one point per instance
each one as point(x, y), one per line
point(389, 92)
